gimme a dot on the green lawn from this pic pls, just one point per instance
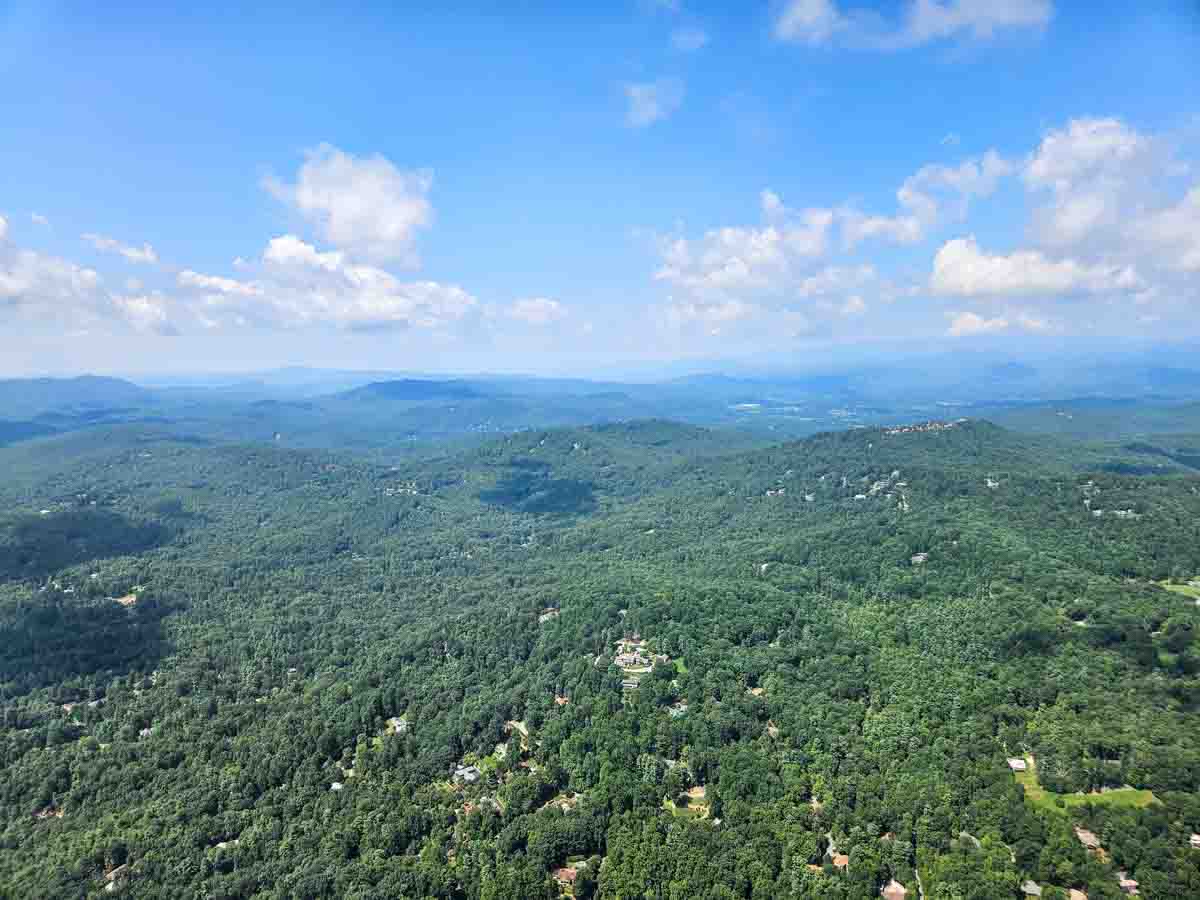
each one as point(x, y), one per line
point(1187, 590)
point(697, 807)
point(1044, 799)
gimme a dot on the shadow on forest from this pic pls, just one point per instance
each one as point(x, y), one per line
point(34, 546)
point(529, 488)
point(52, 638)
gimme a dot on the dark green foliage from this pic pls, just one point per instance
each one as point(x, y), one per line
point(855, 671)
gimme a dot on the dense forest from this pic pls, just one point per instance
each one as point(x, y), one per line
point(641, 660)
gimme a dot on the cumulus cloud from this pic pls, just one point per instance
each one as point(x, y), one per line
point(689, 38)
point(961, 269)
point(35, 280)
point(746, 259)
point(1106, 191)
point(145, 312)
point(924, 198)
point(38, 219)
point(287, 250)
point(144, 254)
point(47, 289)
point(363, 205)
point(819, 22)
point(537, 311)
point(652, 101)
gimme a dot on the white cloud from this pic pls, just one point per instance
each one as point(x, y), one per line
point(931, 20)
point(3, 228)
point(364, 205)
point(810, 21)
point(817, 22)
point(1108, 193)
point(144, 254)
point(38, 219)
point(652, 101)
point(217, 284)
point(1095, 171)
point(1175, 232)
point(537, 310)
point(922, 197)
point(961, 269)
point(1084, 149)
point(290, 250)
point(835, 280)
point(145, 312)
point(968, 324)
point(30, 279)
point(741, 259)
point(689, 38)
point(305, 286)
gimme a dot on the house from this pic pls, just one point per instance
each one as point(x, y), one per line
point(633, 660)
point(1194, 841)
point(336, 786)
point(1089, 840)
point(547, 614)
point(114, 877)
point(145, 732)
point(919, 559)
point(894, 890)
point(1031, 889)
point(677, 709)
point(467, 774)
point(565, 876)
point(560, 700)
point(1017, 764)
point(629, 684)
point(1127, 884)
point(841, 860)
point(397, 725)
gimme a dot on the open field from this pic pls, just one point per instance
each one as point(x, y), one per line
point(1191, 589)
point(697, 806)
point(1044, 799)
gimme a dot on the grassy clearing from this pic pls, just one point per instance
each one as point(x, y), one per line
point(697, 807)
point(1048, 800)
point(1191, 589)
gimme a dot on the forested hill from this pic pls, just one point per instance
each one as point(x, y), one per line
point(248, 671)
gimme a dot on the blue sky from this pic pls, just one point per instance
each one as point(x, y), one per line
point(557, 188)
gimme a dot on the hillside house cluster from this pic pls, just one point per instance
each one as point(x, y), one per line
point(923, 427)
